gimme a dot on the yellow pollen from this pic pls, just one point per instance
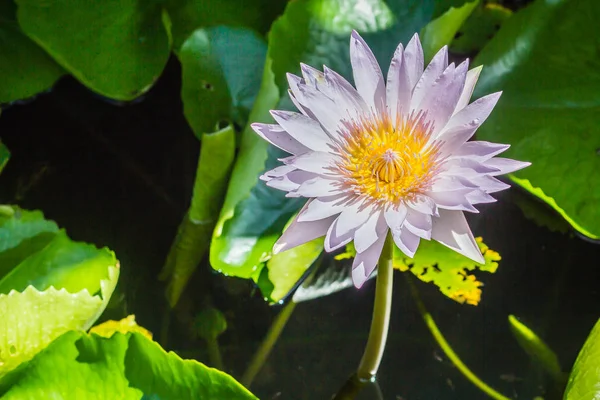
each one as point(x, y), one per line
point(388, 161)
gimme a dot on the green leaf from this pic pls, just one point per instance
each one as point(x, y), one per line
point(221, 72)
point(479, 28)
point(188, 15)
point(48, 284)
point(584, 381)
point(550, 103)
point(536, 348)
point(4, 155)
point(31, 319)
point(126, 366)
point(24, 67)
point(193, 237)
point(254, 215)
point(287, 268)
point(441, 31)
point(117, 48)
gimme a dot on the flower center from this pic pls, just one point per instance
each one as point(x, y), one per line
point(388, 161)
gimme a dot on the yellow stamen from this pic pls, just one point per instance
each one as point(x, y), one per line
point(386, 160)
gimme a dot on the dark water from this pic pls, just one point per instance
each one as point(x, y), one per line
point(122, 177)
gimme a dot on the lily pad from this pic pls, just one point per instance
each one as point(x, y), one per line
point(24, 66)
point(48, 284)
point(125, 366)
point(546, 59)
point(118, 48)
point(125, 325)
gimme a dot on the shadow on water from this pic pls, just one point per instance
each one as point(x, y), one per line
point(121, 176)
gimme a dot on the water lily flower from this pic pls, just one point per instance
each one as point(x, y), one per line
point(386, 156)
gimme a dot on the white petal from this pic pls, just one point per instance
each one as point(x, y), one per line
point(277, 172)
point(423, 204)
point(463, 124)
point(304, 129)
point(299, 233)
point(436, 67)
point(370, 231)
point(449, 183)
point(365, 262)
point(352, 217)
point(419, 224)
point(349, 102)
point(278, 137)
point(318, 187)
point(367, 74)
point(451, 230)
point(407, 242)
point(414, 61)
point(505, 165)
point(479, 197)
point(322, 107)
point(464, 163)
point(470, 81)
point(398, 87)
point(291, 181)
point(322, 207)
point(454, 200)
point(315, 161)
point(395, 216)
point(440, 100)
point(335, 240)
point(489, 184)
point(479, 150)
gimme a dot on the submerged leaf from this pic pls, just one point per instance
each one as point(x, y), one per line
point(125, 366)
point(536, 348)
point(545, 60)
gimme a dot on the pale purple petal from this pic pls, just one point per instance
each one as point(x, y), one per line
point(414, 61)
point(463, 124)
point(370, 231)
point(467, 91)
point(395, 216)
point(419, 224)
point(489, 184)
point(406, 241)
point(278, 137)
point(291, 181)
point(479, 150)
point(464, 163)
point(315, 161)
point(352, 217)
point(349, 102)
point(304, 129)
point(505, 165)
point(322, 207)
point(277, 172)
point(451, 230)
point(479, 197)
point(454, 200)
point(435, 68)
point(322, 107)
point(318, 187)
point(449, 183)
point(365, 262)
point(298, 233)
point(367, 74)
point(335, 240)
point(423, 204)
point(398, 87)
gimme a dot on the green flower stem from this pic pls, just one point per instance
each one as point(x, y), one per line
point(452, 356)
point(267, 344)
point(214, 354)
point(382, 309)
